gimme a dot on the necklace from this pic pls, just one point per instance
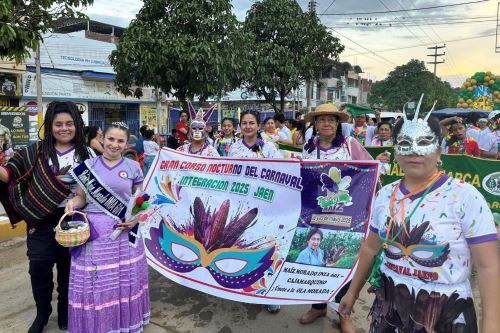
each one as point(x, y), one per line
point(112, 159)
point(406, 220)
point(197, 152)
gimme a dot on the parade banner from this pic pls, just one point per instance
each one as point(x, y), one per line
point(484, 174)
point(257, 231)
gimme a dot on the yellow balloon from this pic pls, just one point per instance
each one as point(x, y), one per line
point(492, 82)
point(488, 73)
point(465, 105)
point(473, 81)
point(486, 84)
point(469, 101)
point(459, 105)
point(467, 84)
point(461, 100)
point(468, 80)
point(496, 93)
point(470, 89)
point(487, 78)
point(497, 100)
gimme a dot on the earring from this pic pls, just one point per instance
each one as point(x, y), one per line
point(439, 163)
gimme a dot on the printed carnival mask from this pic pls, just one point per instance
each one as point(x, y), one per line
point(199, 122)
point(416, 137)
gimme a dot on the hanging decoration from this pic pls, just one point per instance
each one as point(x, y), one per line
point(480, 92)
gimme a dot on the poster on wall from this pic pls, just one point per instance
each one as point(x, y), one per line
point(14, 125)
point(218, 225)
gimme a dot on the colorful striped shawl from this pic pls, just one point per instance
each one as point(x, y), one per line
point(33, 191)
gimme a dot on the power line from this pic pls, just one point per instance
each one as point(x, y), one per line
point(419, 45)
point(387, 24)
point(369, 51)
point(406, 10)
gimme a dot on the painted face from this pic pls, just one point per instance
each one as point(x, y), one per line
point(326, 125)
point(459, 130)
point(227, 128)
point(249, 126)
point(115, 142)
point(384, 132)
point(314, 241)
point(416, 138)
point(198, 130)
point(269, 126)
point(63, 128)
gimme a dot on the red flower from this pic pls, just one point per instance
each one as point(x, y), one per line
point(139, 201)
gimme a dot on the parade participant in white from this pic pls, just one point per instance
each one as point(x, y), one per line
point(428, 227)
point(197, 136)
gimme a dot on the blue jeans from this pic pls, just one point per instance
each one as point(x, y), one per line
point(148, 160)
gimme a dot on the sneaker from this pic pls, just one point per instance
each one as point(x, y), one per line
point(273, 308)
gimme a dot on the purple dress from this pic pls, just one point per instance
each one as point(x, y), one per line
point(108, 288)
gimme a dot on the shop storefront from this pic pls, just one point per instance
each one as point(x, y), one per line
point(98, 101)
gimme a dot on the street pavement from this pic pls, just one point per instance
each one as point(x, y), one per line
point(174, 308)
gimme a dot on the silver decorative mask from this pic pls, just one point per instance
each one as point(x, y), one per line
point(416, 137)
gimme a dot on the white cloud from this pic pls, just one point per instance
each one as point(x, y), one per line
point(463, 58)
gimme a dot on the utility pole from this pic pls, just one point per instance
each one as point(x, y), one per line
point(309, 87)
point(39, 99)
point(497, 43)
point(435, 55)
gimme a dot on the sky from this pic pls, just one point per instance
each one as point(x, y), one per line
point(378, 42)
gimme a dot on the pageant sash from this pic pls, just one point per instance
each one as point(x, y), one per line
point(102, 196)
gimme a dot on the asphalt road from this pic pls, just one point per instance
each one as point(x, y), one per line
point(174, 308)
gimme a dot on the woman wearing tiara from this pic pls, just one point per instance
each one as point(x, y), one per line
point(108, 289)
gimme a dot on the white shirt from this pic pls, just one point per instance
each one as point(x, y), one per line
point(451, 217)
point(150, 147)
point(67, 161)
point(241, 149)
point(286, 132)
point(488, 141)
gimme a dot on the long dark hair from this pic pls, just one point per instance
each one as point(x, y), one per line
point(91, 133)
point(337, 141)
point(259, 143)
point(48, 142)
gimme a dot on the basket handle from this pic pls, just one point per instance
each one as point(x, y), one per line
point(67, 213)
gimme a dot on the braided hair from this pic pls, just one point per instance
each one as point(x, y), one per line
point(48, 142)
point(337, 141)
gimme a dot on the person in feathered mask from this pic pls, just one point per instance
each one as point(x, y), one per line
point(425, 232)
point(197, 136)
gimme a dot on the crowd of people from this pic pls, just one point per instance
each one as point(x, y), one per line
point(102, 285)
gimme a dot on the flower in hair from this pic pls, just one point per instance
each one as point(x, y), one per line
point(311, 144)
point(259, 144)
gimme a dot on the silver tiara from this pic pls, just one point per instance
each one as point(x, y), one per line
point(120, 124)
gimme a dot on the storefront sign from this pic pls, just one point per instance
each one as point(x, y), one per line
point(14, 124)
point(74, 87)
point(9, 85)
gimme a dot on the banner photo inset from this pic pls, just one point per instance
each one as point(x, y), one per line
point(257, 231)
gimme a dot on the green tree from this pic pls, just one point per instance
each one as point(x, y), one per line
point(186, 48)
point(23, 23)
point(289, 46)
point(407, 82)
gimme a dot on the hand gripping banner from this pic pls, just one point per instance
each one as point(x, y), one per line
point(258, 231)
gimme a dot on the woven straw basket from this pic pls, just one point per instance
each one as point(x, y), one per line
point(75, 238)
